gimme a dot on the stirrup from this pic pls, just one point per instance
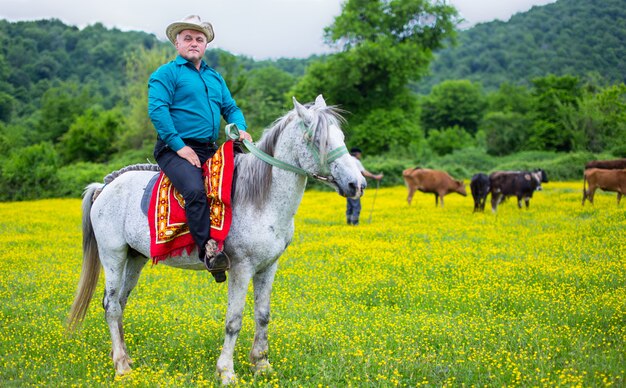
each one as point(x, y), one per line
point(215, 261)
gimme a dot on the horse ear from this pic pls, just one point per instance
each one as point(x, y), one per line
point(319, 101)
point(301, 110)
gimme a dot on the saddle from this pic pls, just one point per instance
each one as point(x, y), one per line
point(169, 232)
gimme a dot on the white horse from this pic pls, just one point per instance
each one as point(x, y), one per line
point(307, 140)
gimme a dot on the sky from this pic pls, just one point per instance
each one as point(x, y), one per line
point(260, 29)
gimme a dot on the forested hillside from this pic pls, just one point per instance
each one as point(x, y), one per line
point(545, 89)
point(585, 38)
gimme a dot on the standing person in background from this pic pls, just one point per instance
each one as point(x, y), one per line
point(186, 101)
point(354, 205)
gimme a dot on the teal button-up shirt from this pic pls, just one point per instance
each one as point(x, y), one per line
point(184, 103)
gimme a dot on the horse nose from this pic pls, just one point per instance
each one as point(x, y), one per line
point(356, 188)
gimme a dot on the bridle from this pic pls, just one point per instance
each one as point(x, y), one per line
point(232, 132)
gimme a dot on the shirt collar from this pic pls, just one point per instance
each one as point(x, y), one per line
point(182, 61)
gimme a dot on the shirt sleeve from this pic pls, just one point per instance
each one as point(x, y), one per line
point(160, 96)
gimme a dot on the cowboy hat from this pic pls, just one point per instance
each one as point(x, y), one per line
point(192, 22)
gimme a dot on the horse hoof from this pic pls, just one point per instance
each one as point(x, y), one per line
point(227, 377)
point(122, 366)
point(123, 370)
point(263, 368)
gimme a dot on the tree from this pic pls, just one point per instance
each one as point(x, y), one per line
point(59, 107)
point(447, 140)
point(29, 173)
point(384, 44)
point(505, 132)
point(263, 98)
point(458, 103)
point(550, 95)
point(91, 137)
point(138, 129)
point(598, 120)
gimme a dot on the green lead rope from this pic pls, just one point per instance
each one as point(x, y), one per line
point(233, 133)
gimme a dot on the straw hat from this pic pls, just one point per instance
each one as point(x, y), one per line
point(192, 22)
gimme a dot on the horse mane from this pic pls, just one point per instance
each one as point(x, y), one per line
point(256, 175)
point(135, 167)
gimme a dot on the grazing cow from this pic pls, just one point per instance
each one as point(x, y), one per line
point(615, 164)
point(431, 181)
point(607, 180)
point(521, 184)
point(480, 189)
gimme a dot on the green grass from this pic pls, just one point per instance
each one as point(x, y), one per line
point(421, 296)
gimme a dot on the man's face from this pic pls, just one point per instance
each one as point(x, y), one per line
point(191, 45)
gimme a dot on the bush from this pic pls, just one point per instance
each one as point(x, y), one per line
point(29, 173)
point(447, 140)
point(385, 130)
point(75, 177)
point(462, 164)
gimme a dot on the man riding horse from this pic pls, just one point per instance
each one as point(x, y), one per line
point(185, 101)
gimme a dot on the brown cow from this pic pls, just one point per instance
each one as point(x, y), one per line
point(615, 164)
point(431, 181)
point(607, 180)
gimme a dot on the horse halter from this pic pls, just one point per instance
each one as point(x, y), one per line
point(232, 132)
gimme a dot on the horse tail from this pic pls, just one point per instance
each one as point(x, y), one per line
point(91, 263)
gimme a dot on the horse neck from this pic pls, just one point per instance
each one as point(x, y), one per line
point(287, 188)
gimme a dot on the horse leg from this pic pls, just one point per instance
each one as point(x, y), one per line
point(131, 275)
point(259, 356)
point(237, 289)
point(619, 197)
point(114, 269)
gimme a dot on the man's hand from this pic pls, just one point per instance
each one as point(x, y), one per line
point(243, 135)
point(189, 155)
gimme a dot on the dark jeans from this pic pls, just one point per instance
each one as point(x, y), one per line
point(353, 211)
point(187, 179)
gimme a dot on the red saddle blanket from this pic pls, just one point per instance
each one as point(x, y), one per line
point(169, 233)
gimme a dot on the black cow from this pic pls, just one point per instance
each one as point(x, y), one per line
point(480, 189)
point(521, 184)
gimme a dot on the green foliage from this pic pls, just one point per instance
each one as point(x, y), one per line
point(73, 178)
point(598, 121)
point(463, 163)
point(84, 91)
point(138, 129)
point(458, 103)
point(505, 132)
point(383, 130)
point(396, 21)
point(60, 106)
point(566, 37)
point(7, 105)
point(263, 99)
point(385, 44)
point(447, 140)
point(92, 136)
point(510, 98)
point(29, 173)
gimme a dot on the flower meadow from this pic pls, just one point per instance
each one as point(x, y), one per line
point(413, 296)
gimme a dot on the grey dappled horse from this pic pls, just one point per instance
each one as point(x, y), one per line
point(265, 200)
